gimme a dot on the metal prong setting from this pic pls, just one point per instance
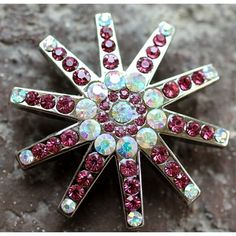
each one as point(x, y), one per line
point(109, 52)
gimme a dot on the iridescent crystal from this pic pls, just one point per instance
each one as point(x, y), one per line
point(134, 218)
point(89, 129)
point(191, 191)
point(68, 206)
point(127, 147)
point(104, 19)
point(114, 80)
point(86, 109)
point(26, 157)
point(166, 29)
point(122, 112)
point(105, 144)
point(153, 98)
point(135, 82)
point(18, 95)
point(156, 118)
point(49, 43)
point(146, 138)
point(97, 92)
point(221, 135)
point(210, 72)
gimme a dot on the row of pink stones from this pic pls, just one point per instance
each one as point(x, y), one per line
point(81, 76)
point(160, 155)
point(55, 144)
point(109, 126)
point(64, 104)
point(91, 167)
point(178, 124)
point(145, 64)
point(172, 89)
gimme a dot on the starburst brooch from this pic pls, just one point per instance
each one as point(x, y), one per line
point(120, 114)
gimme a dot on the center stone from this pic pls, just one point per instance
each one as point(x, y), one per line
point(122, 112)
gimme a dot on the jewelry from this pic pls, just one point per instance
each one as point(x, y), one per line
point(119, 114)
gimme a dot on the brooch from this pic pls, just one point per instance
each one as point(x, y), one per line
point(119, 114)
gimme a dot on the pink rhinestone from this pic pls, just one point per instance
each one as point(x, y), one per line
point(124, 93)
point(70, 64)
point(207, 132)
point(176, 124)
point(128, 168)
point(109, 126)
point(159, 154)
point(84, 178)
point(76, 192)
point(102, 117)
point(59, 54)
point(141, 109)
point(94, 162)
point(172, 168)
point(106, 32)
point(47, 101)
point(181, 180)
point(132, 129)
point(135, 98)
point(159, 40)
point(81, 76)
point(140, 121)
point(198, 77)
point(193, 128)
point(153, 52)
point(185, 83)
point(40, 151)
point(113, 97)
point(132, 203)
point(108, 45)
point(120, 131)
point(110, 61)
point(54, 145)
point(171, 89)
point(65, 104)
point(69, 138)
point(131, 186)
point(144, 65)
point(104, 105)
point(32, 98)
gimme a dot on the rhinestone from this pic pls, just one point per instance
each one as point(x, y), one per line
point(159, 154)
point(106, 32)
point(156, 118)
point(144, 65)
point(54, 145)
point(132, 129)
point(124, 93)
point(193, 128)
point(114, 80)
point(122, 112)
point(69, 138)
point(70, 64)
point(104, 105)
point(109, 126)
point(68, 206)
point(153, 98)
point(172, 168)
point(86, 109)
point(102, 117)
point(32, 98)
point(110, 61)
point(18, 95)
point(49, 43)
point(131, 185)
point(94, 162)
point(127, 147)
point(207, 132)
point(146, 138)
point(108, 45)
point(97, 92)
point(176, 123)
point(113, 97)
point(120, 131)
point(153, 52)
point(132, 203)
point(171, 89)
point(26, 157)
point(104, 19)
point(47, 101)
point(134, 218)
point(198, 77)
point(221, 135)
point(84, 178)
point(40, 151)
point(81, 76)
point(159, 40)
point(185, 83)
point(166, 29)
point(89, 129)
point(191, 191)
point(181, 180)
point(59, 54)
point(105, 144)
point(76, 192)
point(128, 167)
point(135, 82)
point(210, 72)
point(65, 104)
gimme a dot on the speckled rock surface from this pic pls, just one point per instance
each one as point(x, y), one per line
point(205, 34)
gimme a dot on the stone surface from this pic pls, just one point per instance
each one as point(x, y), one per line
point(200, 31)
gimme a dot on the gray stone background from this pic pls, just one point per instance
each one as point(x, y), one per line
point(205, 34)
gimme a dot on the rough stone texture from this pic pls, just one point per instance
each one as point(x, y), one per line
point(205, 34)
